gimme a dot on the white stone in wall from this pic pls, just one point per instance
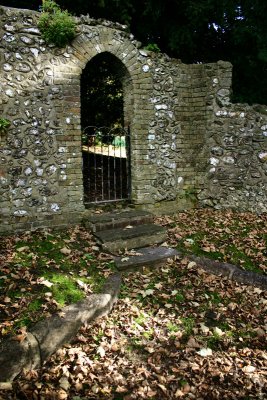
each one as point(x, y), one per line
point(20, 213)
point(31, 30)
point(228, 160)
point(26, 39)
point(27, 192)
point(19, 202)
point(55, 207)
point(214, 161)
point(10, 93)
point(263, 156)
point(68, 120)
point(28, 171)
point(264, 127)
point(151, 137)
point(143, 53)
point(20, 182)
point(154, 99)
point(7, 67)
point(34, 51)
point(180, 180)
point(161, 106)
point(221, 113)
point(62, 150)
point(9, 38)
point(18, 56)
point(3, 181)
point(9, 28)
point(39, 171)
point(145, 68)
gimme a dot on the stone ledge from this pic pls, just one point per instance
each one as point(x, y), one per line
point(144, 257)
point(49, 335)
point(232, 272)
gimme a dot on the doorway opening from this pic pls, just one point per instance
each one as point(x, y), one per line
point(105, 123)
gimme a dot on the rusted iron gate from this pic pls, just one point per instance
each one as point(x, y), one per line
point(106, 164)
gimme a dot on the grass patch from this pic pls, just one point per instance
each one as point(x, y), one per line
point(44, 271)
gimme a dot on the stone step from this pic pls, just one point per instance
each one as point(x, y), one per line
point(117, 219)
point(144, 257)
point(131, 237)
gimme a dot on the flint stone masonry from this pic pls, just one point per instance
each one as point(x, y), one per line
point(186, 135)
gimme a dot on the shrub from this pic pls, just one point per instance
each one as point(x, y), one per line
point(56, 26)
point(153, 47)
point(4, 124)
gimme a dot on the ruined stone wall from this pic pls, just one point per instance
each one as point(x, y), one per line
point(236, 140)
point(189, 144)
point(206, 150)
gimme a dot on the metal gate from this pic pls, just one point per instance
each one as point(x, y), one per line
point(106, 164)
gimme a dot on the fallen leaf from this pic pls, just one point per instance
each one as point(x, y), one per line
point(65, 251)
point(205, 352)
point(101, 351)
point(248, 369)
point(23, 249)
point(45, 282)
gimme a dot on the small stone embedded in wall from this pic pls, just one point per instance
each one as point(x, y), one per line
point(55, 207)
point(28, 171)
point(20, 213)
point(214, 161)
point(228, 160)
point(263, 156)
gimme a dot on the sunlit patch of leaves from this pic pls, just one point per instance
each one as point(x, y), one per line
point(238, 238)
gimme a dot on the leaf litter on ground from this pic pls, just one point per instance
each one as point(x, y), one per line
point(177, 332)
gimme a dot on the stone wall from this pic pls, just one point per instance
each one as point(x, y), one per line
point(189, 144)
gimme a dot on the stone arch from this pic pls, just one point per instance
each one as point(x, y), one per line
point(106, 147)
point(118, 70)
point(136, 75)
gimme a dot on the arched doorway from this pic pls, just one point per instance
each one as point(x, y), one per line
point(105, 120)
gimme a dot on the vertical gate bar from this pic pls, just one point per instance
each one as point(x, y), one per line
point(89, 169)
point(128, 162)
point(108, 173)
point(114, 171)
point(102, 165)
point(95, 167)
point(120, 142)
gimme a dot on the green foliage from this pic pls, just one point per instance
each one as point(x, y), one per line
point(153, 47)
point(57, 27)
point(4, 124)
point(119, 141)
point(102, 93)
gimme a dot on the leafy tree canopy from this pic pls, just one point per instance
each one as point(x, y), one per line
point(194, 31)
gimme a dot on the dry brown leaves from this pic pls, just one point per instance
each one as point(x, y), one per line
point(177, 332)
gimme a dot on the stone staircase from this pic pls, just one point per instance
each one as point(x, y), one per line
point(131, 236)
